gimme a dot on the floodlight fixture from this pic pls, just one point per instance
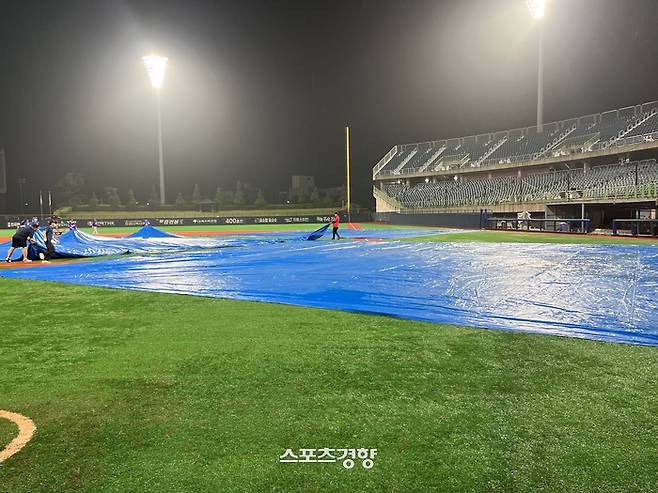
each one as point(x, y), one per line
point(155, 67)
point(536, 8)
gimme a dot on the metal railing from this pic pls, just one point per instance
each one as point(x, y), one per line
point(392, 202)
point(639, 181)
point(384, 161)
point(636, 224)
point(527, 158)
point(558, 225)
point(629, 111)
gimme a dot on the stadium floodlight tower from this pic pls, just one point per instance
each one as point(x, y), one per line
point(155, 67)
point(536, 8)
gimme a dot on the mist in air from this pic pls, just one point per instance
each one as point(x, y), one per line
point(256, 91)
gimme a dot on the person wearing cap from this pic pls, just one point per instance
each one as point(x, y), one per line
point(335, 223)
point(20, 239)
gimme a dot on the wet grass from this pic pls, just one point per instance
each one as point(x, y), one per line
point(135, 391)
point(8, 431)
point(523, 237)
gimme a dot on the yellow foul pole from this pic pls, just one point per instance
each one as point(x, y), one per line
point(347, 165)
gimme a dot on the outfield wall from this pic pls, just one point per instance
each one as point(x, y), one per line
point(12, 221)
point(465, 220)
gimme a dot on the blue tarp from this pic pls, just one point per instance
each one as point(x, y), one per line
point(318, 233)
point(33, 249)
point(149, 231)
point(599, 292)
point(75, 243)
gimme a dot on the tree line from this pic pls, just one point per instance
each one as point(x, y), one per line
point(72, 191)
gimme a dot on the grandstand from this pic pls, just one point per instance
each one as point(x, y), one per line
point(600, 166)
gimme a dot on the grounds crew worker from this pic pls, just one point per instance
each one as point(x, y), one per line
point(49, 242)
point(335, 222)
point(20, 239)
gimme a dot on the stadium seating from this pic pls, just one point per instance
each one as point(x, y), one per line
point(650, 125)
point(636, 179)
point(575, 135)
point(395, 161)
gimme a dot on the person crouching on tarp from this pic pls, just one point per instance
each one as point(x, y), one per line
point(49, 242)
point(20, 239)
point(335, 223)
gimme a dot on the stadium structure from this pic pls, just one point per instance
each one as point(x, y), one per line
point(600, 167)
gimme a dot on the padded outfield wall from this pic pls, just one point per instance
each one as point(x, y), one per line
point(12, 221)
point(465, 220)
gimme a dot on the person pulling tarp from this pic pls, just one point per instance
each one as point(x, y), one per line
point(335, 223)
point(318, 233)
point(20, 239)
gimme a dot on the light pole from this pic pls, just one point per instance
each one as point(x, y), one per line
point(347, 165)
point(536, 9)
point(21, 182)
point(155, 67)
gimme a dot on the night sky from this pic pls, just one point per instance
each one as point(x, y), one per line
point(259, 90)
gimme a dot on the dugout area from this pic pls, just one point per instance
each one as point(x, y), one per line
point(602, 214)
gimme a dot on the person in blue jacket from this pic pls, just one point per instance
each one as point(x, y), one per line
point(49, 232)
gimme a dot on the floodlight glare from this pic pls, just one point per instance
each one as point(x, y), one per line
point(536, 8)
point(155, 66)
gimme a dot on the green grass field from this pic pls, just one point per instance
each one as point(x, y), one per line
point(455, 236)
point(152, 392)
point(522, 237)
point(135, 391)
